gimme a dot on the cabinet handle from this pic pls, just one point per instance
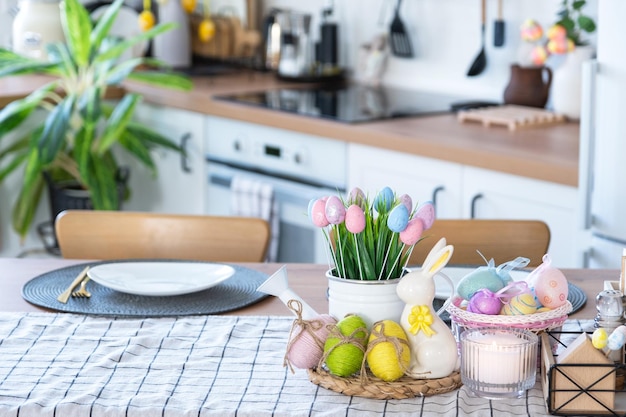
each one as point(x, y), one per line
point(473, 206)
point(434, 197)
point(184, 159)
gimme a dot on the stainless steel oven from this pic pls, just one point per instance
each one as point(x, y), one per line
point(298, 167)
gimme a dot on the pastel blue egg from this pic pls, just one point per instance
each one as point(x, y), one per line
point(384, 200)
point(398, 218)
point(482, 277)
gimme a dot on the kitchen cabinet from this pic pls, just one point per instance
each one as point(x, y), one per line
point(461, 191)
point(180, 182)
point(424, 179)
point(496, 195)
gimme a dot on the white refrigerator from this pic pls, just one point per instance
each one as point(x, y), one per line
point(602, 178)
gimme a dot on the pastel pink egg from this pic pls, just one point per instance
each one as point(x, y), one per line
point(551, 288)
point(426, 212)
point(413, 232)
point(318, 212)
point(357, 196)
point(355, 219)
point(335, 210)
point(407, 201)
point(305, 351)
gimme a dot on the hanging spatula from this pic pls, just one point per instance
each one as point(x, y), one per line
point(399, 37)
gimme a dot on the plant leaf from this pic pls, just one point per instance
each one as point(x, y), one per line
point(163, 79)
point(145, 134)
point(118, 49)
point(26, 205)
point(55, 130)
point(118, 121)
point(104, 24)
point(136, 147)
point(77, 29)
point(17, 111)
point(586, 23)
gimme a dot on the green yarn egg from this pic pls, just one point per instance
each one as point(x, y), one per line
point(344, 355)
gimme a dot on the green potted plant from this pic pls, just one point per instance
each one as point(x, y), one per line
point(82, 129)
point(370, 242)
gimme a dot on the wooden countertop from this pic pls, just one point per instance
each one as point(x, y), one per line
point(547, 153)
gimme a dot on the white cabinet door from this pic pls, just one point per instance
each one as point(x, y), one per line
point(494, 195)
point(180, 183)
point(424, 179)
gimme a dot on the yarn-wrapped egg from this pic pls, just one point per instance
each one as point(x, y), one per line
point(306, 344)
point(520, 304)
point(345, 345)
point(388, 351)
point(484, 302)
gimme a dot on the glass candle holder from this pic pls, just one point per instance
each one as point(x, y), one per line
point(498, 362)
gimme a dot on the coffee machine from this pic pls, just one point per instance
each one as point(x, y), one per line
point(296, 46)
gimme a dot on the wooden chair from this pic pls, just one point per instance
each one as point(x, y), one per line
point(94, 234)
point(502, 240)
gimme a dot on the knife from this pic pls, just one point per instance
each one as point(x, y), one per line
point(65, 295)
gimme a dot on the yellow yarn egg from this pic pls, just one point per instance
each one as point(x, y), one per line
point(520, 304)
point(345, 346)
point(388, 350)
point(600, 338)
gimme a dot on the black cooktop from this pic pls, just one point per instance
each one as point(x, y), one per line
point(351, 103)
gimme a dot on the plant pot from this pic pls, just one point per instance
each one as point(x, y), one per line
point(371, 300)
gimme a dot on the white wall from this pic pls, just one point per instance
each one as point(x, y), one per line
point(445, 35)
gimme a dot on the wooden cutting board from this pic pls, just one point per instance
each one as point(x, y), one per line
point(511, 116)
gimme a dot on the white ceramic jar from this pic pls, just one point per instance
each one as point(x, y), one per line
point(37, 23)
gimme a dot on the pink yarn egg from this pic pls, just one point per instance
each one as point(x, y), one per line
point(335, 210)
point(304, 351)
point(413, 232)
point(355, 219)
point(426, 212)
point(318, 212)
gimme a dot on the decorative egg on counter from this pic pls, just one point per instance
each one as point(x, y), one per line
point(388, 350)
point(520, 304)
point(306, 343)
point(548, 284)
point(345, 345)
point(484, 302)
point(483, 277)
point(600, 338)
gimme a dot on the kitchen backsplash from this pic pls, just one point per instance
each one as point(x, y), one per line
point(445, 36)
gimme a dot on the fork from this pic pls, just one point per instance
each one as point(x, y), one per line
point(82, 291)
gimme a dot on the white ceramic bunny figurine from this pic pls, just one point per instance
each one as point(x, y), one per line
point(434, 351)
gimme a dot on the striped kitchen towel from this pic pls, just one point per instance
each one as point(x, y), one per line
point(253, 198)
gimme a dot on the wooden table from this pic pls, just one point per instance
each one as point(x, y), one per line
point(306, 280)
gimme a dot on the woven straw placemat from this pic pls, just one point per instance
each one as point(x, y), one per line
point(236, 292)
point(376, 388)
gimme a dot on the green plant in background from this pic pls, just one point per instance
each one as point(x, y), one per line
point(81, 129)
point(370, 239)
point(572, 18)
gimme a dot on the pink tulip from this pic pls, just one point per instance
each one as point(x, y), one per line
point(355, 219)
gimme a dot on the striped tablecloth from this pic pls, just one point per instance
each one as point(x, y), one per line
point(72, 365)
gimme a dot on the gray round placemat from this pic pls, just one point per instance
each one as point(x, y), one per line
point(236, 292)
point(575, 295)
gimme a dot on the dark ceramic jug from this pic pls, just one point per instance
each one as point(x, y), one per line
point(528, 86)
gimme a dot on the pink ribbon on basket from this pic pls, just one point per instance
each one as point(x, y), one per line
point(487, 302)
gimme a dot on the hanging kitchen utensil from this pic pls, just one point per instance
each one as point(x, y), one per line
point(480, 62)
point(399, 37)
point(498, 27)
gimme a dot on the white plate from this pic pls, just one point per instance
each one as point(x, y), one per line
point(125, 26)
point(160, 278)
point(442, 288)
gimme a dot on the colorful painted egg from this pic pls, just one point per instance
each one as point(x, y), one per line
point(389, 353)
point(413, 232)
point(600, 338)
point(426, 212)
point(398, 218)
point(484, 302)
point(483, 277)
point(520, 304)
point(355, 219)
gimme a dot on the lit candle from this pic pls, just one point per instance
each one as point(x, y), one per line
point(498, 362)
